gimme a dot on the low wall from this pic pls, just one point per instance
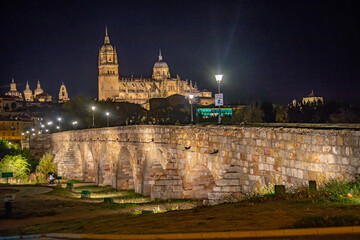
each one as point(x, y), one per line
point(214, 162)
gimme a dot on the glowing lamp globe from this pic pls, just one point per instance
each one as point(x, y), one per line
point(218, 77)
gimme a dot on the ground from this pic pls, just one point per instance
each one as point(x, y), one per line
point(63, 211)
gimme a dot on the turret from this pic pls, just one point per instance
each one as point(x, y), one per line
point(108, 78)
point(63, 94)
point(28, 93)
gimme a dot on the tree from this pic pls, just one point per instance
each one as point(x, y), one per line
point(254, 113)
point(46, 164)
point(268, 110)
point(281, 113)
point(8, 149)
point(16, 164)
point(78, 109)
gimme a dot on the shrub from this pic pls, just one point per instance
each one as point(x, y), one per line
point(46, 165)
point(336, 190)
point(16, 164)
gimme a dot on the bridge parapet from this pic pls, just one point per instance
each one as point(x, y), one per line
point(216, 162)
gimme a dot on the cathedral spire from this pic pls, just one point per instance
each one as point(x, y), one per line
point(107, 40)
point(13, 85)
point(160, 57)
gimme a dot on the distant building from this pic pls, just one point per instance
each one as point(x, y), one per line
point(13, 91)
point(43, 97)
point(38, 96)
point(63, 94)
point(28, 94)
point(141, 90)
point(9, 103)
point(311, 98)
point(13, 128)
point(38, 89)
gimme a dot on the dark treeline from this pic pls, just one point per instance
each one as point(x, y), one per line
point(176, 110)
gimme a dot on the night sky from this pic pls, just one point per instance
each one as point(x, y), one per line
point(268, 50)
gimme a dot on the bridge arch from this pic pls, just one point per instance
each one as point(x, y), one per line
point(124, 170)
point(153, 168)
point(104, 174)
point(88, 164)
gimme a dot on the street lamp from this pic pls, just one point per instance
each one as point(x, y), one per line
point(218, 78)
point(59, 120)
point(191, 96)
point(107, 118)
point(93, 109)
point(74, 123)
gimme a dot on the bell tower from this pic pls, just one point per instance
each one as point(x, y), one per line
point(108, 78)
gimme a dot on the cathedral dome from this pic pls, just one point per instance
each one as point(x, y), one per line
point(107, 48)
point(160, 63)
point(161, 69)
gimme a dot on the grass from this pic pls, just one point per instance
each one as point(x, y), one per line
point(326, 221)
point(330, 205)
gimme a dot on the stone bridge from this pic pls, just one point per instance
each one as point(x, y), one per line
point(214, 162)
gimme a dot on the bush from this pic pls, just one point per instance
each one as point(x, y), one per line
point(46, 165)
point(16, 164)
point(340, 191)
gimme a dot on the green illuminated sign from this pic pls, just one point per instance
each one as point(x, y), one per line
point(6, 174)
point(211, 112)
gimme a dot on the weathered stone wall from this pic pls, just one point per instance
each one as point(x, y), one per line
point(39, 145)
point(217, 162)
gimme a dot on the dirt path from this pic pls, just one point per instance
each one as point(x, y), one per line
point(18, 223)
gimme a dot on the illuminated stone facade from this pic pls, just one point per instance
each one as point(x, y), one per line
point(218, 163)
point(140, 90)
point(311, 98)
point(63, 94)
point(13, 91)
point(39, 94)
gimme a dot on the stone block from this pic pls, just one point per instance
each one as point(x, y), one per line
point(233, 182)
point(253, 178)
point(222, 182)
point(300, 174)
point(270, 160)
point(231, 175)
point(216, 189)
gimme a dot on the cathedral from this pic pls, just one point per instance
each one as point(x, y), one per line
point(141, 90)
point(39, 94)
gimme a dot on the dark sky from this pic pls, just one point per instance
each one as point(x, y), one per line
point(269, 50)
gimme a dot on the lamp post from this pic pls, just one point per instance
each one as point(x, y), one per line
point(59, 120)
point(191, 96)
point(218, 78)
point(107, 118)
point(74, 123)
point(93, 109)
